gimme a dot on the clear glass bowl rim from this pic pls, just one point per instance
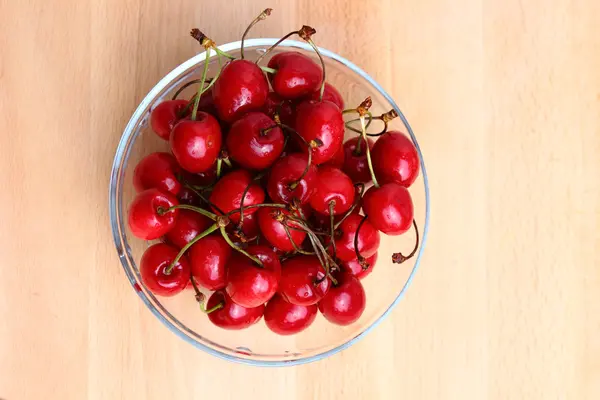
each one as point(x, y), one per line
point(118, 225)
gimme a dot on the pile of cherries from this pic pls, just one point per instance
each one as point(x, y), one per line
point(260, 199)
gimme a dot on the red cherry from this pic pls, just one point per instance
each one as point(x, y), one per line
point(390, 208)
point(286, 318)
point(355, 163)
point(332, 185)
point(395, 159)
point(196, 144)
point(252, 148)
point(241, 87)
point(145, 220)
point(297, 75)
point(285, 173)
point(188, 225)
point(157, 170)
point(249, 226)
point(356, 269)
point(303, 281)
point(320, 121)
point(329, 94)
point(155, 260)
point(285, 108)
point(368, 238)
point(345, 303)
point(227, 193)
point(207, 103)
point(322, 222)
point(232, 316)
point(208, 259)
point(337, 161)
point(274, 230)
point(250, 285)
point(165, 115)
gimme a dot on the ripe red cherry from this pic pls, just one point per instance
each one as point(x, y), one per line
point(227, 193)
point(286, 318)
point(285, 173)
point(155, 260)
point(157, 170)
point(232, 316)
point(322, 121)
point(355, 163)
point(241, 87)
point(196, 144)
point(395, 159)
point(249, 226)
point(248, 284)
point(368, 238)
point(303, 281)
point(332, 185)
point(144, 218)
point(356, 269)
point(188, 225)
point(277, 104)
point(208, 259)
point(337, 161)
point(297, 75)
point(274, 231)
point(250, 146)
point(165, 115)
point(329, 94)
point(390, 208)
point(345, 303)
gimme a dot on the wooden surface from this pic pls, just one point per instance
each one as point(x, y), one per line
point(504, 96)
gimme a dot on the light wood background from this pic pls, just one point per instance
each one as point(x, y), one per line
point(504, 96)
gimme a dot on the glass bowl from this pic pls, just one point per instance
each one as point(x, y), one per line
point(257, 345)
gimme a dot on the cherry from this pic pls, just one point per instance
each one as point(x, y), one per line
point(208, 259)
point(297, 75)
point(332, 186)
point(320, 121)
point(249, 228)
point(231, 315)
point(250, 285)
point(367, 241)
point(278, 105)
point(329, 94)
point(356, 269)
point(395, 159)
point(241, 87)
point(188, 196)
point(303, 280)
point(157, 170)
point(165, 115)
point(355, 161)
point(227, 193)
point(188, 225)
point(337, 161)
point(207, 103)
point(146, 219)
point(253, 142)
point(274, 231)
point(345, 303)
point(155, 260)
point(286, 181)
point(286, 318)
point(196, 144)
point(389, 208)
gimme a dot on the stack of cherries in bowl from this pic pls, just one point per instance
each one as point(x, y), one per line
point(261, 202)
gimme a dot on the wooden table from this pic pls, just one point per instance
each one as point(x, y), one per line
point(505, 99)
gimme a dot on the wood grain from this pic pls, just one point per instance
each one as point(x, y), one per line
point(505, 99)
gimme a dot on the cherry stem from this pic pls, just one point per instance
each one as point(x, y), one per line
point(201, 88)
point(239, 249)
point(385, 118)
point(310, 146)
point(361, 259)
point(200, 299)
point(296, 248)
point(332, 224)
point(268, 70)
point(270, 49)
point(219, 166)
point(241, 209)
point(203, 198)
point(263, 15)
point(368, 151)
point(185, 86)
point(356, 202)
point(272, 205)
point(325, 259)
point(185, 248)
point(316, 49)
point(206, 213)
point(398, 258)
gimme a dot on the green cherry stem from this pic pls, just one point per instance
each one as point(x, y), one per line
point(316, 49)
point(296, 248)
point(219, 166)
point(270, 49)
point(185, 248)
point(268, 70)
point(200, 298)
point(201, 88)
point(263, 15)
point(368, 151)
point(239, 249)
point(206, 213)
point(356, 202)
point(332, 224)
